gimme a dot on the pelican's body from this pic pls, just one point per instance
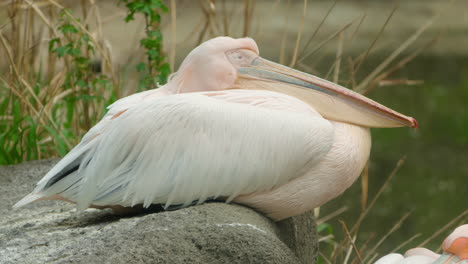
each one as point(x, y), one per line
point(455, 248)
point(228, 125)
point(335, 172)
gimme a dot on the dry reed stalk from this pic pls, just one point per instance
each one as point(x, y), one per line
point(282, 51)
point(371, 77)
point(206, 22)
point(355, 228)
point(324, 258)
point(226, 24)
point(172, 49)
point(358, 27)
point(325, 41)
point(352, 244)
point(363, 248)
point(213, 25)
point(349, 251)
point(331, 215)
point(339, 53)
point(403, 62)
point(326, 238)
point(392, 230)
point(352, 74)
point(210, 26)
point(299, 35)
point(336, 65)
point(51, 58)
point(463, 216)
point(364, 186)
point(396, 249)
point(247, 17)
point(317, 29)
point(365, 55)
point(399, 164)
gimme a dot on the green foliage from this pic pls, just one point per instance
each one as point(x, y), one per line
point(326, 230)
point(155, 71)
point(76, 49)
point(44, 115)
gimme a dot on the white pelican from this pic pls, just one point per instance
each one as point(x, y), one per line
point(455, 248)
point(229, 125)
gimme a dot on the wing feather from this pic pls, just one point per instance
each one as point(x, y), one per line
point(182, 148)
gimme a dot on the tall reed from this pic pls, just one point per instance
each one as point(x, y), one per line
point(56, 80)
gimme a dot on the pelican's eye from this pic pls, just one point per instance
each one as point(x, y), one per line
point(241, 57)
point(235, 55)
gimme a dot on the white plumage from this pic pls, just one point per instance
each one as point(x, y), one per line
point(228, 125)
point(395, 258)
point(201, 142)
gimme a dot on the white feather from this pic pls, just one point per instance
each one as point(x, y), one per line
point(182, 148)
point(395, 258)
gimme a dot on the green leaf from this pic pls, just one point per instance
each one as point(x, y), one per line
point(61, 51)
point(68, 28)
point(62, 147)
point(86, 97)
point(165, 69)
point(129, 18)
point(53, 42)
point(325, 226)
point(75, 52)
point(31, 151)
point(141, 67)
point(70, 112)
point(81, 83)
point(17, 113)
point(153, 54)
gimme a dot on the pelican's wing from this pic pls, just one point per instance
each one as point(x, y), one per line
point(190, 147)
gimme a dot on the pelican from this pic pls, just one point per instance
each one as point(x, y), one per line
point(229, 125)
point(455, 248)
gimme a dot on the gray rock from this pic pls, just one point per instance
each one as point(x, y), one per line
point(55, 232)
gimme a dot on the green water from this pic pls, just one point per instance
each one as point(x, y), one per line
point(433, 182)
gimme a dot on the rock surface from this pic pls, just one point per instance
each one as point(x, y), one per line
point(55, 232)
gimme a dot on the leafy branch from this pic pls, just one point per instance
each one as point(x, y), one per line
point(83, 80)
point(156, 68)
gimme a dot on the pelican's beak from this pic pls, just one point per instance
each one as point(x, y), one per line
point(331, 100)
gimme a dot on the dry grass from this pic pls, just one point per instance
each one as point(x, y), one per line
point(47, 102)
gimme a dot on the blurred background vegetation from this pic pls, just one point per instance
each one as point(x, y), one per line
point(63, 62)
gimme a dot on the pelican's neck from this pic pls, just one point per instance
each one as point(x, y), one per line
point(188, 82)
point(347, 157)
point(338, 170)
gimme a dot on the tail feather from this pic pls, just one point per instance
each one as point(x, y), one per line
point(28, 199)
point(64, 189)
point(69, 164)
point(61, 181)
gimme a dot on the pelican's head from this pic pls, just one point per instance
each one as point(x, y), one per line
point(226, 63)
point(208, 68)
point(457, 242)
